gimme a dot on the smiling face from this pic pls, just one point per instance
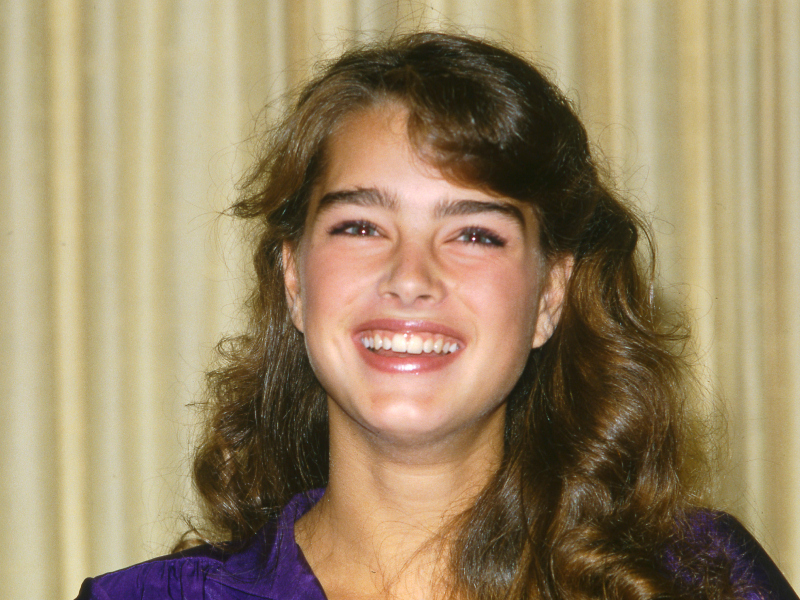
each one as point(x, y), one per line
point(419, 299)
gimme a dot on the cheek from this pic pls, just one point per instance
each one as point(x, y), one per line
point(506, 295)
point(330, 284)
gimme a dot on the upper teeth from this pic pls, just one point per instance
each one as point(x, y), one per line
point(409, 343)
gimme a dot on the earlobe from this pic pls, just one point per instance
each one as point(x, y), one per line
point(552, 299)
point(291, 281)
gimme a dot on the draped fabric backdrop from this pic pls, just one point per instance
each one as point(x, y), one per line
point(124, 125)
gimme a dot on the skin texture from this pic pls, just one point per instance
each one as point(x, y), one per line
point(392, 246)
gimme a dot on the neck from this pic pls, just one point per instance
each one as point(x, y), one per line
point(377, 531)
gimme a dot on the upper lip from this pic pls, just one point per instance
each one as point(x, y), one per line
point(409, 326)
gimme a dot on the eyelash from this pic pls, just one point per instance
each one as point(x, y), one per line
point(477, 236)
point(357, 229)
point(481, 237)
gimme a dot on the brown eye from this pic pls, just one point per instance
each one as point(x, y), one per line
point(480, 237)
point(355, 228)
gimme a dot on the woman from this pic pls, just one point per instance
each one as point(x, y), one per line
point(455, 382)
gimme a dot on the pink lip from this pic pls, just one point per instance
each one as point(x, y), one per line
point(411, 363)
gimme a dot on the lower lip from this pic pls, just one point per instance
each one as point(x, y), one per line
point(406, 363)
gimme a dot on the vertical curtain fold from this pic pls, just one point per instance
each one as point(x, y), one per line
point(64, 105)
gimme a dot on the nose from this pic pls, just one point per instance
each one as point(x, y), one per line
point(413, 275)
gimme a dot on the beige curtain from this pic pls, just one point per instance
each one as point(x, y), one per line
point(121, 132)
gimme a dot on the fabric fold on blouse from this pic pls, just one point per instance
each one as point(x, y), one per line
point(271, 565)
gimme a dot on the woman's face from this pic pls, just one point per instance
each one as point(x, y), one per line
point(450, 278)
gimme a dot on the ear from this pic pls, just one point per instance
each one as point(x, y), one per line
point(552, 299)
point(291, 282)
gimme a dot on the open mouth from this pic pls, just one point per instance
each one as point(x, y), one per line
point(389, 343)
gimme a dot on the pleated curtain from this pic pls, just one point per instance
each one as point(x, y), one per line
point(124, 127)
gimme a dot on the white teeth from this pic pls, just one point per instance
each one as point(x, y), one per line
point(399, 343)
point(410, 343)
point(414, 345)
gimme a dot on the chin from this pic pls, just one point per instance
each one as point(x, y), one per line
point(406, 416)
point(410, 424)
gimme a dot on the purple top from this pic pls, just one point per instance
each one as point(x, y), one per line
point(271, 565)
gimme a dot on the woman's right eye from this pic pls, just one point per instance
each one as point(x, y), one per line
point(355, 228)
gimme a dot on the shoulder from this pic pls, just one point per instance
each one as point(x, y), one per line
point(192, 574)
point(269, 565)
point(720, 541)
point(196, 573)
point(170, 576)
point(751, 560)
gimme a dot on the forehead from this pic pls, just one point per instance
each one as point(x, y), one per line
point(365, 137)
point(370, 151)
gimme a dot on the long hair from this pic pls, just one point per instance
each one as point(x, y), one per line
point(590, 491)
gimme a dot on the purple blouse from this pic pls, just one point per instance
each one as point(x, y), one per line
point(271, 565)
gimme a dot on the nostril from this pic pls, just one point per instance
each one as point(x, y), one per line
point(411, 288)
point(413, 277)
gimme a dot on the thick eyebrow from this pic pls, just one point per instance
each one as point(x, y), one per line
point(444, 208)
point(359, 197)
point(472, 207)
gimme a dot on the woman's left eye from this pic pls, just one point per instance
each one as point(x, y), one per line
point(355, 228)
point(480, 237)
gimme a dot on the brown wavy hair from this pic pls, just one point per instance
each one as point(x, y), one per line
point(592, 491)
